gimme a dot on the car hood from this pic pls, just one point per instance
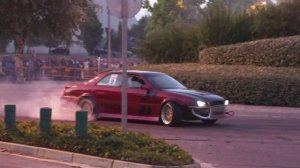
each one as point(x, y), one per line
point(202, 95)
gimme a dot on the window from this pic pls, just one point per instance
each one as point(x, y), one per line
point(135, 82)
point(111, 80)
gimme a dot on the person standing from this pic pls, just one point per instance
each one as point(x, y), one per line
point(99, 63)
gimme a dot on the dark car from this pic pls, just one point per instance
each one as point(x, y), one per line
point(99, 51)
point(152, 96)
point(60, 50)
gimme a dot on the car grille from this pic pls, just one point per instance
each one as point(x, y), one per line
point(218, 110)
point(217, 103)
point(202, 112)
point(214, 112)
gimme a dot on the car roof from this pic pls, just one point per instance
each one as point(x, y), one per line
point(138, 72)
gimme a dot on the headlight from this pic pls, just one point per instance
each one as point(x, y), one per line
point(201, 103)
point(226, 102)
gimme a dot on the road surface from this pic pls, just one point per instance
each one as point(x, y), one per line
point(256, 137)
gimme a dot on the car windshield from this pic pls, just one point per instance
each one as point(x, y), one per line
point(163, 81)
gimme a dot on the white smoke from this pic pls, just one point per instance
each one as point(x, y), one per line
point(29, 98)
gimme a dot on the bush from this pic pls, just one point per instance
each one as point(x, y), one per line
point(240, 84)
point(170, 44)
point(101, 141)
point(280, 52)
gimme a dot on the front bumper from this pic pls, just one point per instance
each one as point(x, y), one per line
point(209, 113)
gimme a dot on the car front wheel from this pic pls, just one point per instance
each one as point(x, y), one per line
point(89, 106)
point(170, 114)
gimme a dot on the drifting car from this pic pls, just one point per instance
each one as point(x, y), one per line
point(152, 96)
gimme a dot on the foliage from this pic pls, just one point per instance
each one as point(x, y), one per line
point(240, 84)
point(91, 31)
point(56, 19)
point(116, 38)
point(278, 52)
point(172, 44)
point(278, 21)
point(166, 12)
point(170, 34)
point(108, 142)
point(137, 32)
point(225, 23)
point(217, 22)
point(220, 22)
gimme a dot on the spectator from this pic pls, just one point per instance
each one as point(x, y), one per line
point(38, 63)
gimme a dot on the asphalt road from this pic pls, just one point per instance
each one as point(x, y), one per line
point(256, 137)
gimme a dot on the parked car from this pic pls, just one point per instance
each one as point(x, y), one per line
point(99, 51)
point(60, 50)
point(152, 96)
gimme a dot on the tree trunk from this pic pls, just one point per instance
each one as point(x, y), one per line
point(3, 45)
point(19, 58)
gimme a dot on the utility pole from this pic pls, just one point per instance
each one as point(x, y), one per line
point(128, 9)
point(124, 66)
point(108, 40)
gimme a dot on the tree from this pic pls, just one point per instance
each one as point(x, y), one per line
point(278, 20)
point(170, 34)
point(91, 31)
point(137, 32)
point(3, 42)
point(171, 44)
point(57, 19)
point(166, 12)
point(216, 24)
point(116, 38)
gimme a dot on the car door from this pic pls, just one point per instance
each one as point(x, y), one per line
point(135, 96)
point(108, 94)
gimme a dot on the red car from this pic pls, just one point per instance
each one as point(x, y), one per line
point(152, 96)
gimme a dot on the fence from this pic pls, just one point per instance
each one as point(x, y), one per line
point(64, 73)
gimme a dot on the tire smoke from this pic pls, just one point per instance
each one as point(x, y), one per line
point(30, 97)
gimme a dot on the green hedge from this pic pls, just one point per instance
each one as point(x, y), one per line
point(279, 52)
point(240, 84)
point(108, 142)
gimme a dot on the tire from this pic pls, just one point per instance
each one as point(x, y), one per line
point(209, 122)
point(89, 106)
point(170, 114)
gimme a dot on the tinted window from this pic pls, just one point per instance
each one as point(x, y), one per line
point(163, 81)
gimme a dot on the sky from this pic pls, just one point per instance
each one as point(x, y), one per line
point(144, 12)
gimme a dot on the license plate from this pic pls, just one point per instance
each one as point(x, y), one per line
point(217, 112)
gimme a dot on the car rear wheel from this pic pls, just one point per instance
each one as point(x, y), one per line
point(170, 114)
point(89, 106)
point(209, 121)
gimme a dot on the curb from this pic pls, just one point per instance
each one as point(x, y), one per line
point(78, 158)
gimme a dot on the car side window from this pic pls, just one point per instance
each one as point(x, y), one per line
point(135, 82)
point(110, 80)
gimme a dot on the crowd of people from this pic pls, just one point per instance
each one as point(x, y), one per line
point(56, 67)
